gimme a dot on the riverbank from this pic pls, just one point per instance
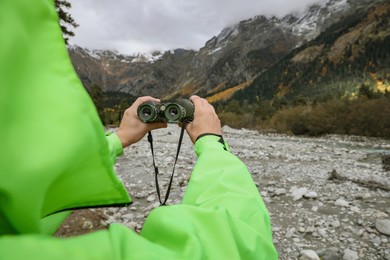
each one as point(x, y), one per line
point(309, 209)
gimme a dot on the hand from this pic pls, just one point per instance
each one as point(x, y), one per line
point(205, 119)
point(131, 128)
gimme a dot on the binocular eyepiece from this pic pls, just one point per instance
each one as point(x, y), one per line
point(171, 112)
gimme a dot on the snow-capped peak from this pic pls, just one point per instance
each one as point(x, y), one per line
point(309, 23)
point(218, 43)
point(147, 57)
point(94, 53)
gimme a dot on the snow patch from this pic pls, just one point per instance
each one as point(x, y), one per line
point(215, 50)
point(224, 38)
point(308, 23)
point(147, 57)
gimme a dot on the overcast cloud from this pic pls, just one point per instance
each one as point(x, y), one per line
point(133, 26)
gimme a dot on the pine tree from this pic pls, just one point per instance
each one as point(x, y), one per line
point(97, 96)
point(65, 18)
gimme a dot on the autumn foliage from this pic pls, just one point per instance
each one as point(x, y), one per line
point(362, 116)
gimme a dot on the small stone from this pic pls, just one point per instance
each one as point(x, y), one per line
point(383, 226)
point(322, 232)
point(301, 230)
point(276, 229)
point(133, 225)
point(112, 210)
point(311, 195)
point(331, 253)
point(169, 159)
point(377, 241)
point(271, 189)
point(128, 216)
point(133, 208)
point(361, 232)
point(280, 191)
point(335, 224)
point(355, 209)
point(290, 233)
point(309, 255)
point(296, 240)
point(386, 162)
point(310, 229)
point(87, 224)
point(350, 255)
point(151, 198)
point(141, 195)
point(363, 196)
point(341, 203)
point(299, 193)
point(381, 215)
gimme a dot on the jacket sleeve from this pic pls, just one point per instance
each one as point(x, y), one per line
point(222, 217)
point(114, 146)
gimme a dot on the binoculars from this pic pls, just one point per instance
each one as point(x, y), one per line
point(181, 110)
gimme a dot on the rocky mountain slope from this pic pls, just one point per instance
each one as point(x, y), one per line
point(348, 55)
point(229, 61)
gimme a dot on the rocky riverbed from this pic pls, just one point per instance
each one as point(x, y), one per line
point(327, 197)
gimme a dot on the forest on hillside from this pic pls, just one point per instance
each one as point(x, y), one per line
point(338, 83)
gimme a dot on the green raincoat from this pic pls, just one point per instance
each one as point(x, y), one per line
point(54, 156)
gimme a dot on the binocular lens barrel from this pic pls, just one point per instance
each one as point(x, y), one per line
point(174, 112)
point(147, 112)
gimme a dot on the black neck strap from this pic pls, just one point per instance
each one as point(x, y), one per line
point(150, 139)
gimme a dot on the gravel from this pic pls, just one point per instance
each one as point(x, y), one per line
point(313, 216)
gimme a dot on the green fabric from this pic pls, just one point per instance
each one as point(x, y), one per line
point(222, 217)
point(115, 146)
point(53, 154)
point(50, 224)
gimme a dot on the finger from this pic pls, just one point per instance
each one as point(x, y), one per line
point(195, 99)
point(198, 102)
point(144, 99)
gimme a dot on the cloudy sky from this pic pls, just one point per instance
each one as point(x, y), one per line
point(133, 26)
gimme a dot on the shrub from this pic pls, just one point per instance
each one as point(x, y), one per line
point(364, 116)
point(237, 120)
point(291, 120)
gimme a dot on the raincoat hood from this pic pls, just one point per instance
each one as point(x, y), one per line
point(53, 154)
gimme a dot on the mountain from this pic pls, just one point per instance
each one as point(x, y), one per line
point(227, 62)
point(326, 70)
point(142, 74)
point(349, 54)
